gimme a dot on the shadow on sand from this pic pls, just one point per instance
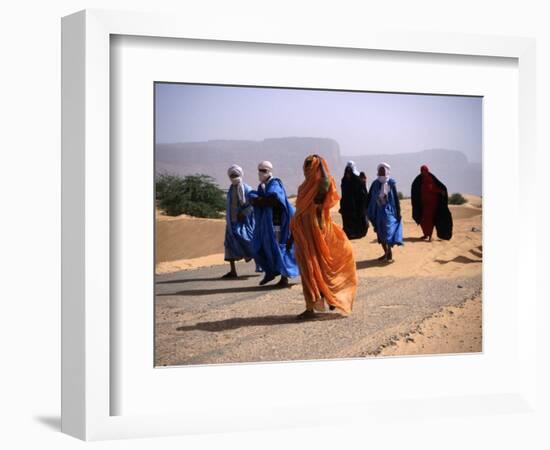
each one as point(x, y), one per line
point(459, 259)
point(415, 239)
point(370, 263)
point(230, 290)
point(187, 280)
point(239, 322)
point(476, 253)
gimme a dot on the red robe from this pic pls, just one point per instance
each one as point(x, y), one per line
point(429, 196)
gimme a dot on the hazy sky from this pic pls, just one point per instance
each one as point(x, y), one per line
point(361, 122)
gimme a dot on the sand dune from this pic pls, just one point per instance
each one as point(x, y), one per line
point(464, 211)
point(185, 237)
point(185, 242)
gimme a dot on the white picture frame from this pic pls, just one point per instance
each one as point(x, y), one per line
point(86, 245)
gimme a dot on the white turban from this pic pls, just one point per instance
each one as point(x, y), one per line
point(265, 165)
point(237, 181)
point(351, 164)
point(386, 166)
point(235, 170)
point(385, 189)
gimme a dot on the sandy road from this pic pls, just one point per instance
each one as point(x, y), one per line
point(201, 319)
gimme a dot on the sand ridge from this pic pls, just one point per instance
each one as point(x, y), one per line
point(453, 329)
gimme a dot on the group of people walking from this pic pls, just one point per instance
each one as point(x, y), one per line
point(286, 241)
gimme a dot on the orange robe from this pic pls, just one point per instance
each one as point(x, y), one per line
point(323, 252)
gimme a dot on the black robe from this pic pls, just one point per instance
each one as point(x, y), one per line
point(443, 220)
point(353, 207)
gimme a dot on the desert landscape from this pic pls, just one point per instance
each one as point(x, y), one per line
point(427, 301)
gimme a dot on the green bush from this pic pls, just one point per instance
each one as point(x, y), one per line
point(165, 183)
point(197, 195)
point(457, 199)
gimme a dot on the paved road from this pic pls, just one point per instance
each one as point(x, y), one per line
point(201, 319)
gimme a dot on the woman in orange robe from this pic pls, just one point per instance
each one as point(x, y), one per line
point(323, 252)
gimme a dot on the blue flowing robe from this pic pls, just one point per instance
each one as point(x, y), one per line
point(270, 254)
point(238, 235)
point(386, 218)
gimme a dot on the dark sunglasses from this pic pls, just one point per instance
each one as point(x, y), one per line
point(263, 170)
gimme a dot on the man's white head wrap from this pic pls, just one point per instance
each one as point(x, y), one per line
point(385, 189)
point(351, 164)
point(264, 176)
point(237, 181)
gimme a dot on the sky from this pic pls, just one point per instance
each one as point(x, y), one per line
point(361, 122)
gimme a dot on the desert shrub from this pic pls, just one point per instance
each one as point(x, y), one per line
point(457, 199)
point(165, 184)
point(197, 195)
point(400, 195)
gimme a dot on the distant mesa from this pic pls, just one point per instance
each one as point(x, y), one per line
point(450, 166)
point(288, 154)
point(214, 157)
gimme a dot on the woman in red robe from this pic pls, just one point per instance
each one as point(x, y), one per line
point(429, 193)
point(429, 202)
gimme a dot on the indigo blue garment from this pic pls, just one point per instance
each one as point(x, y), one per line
point(385, 215)
point(238, 235)
point(271, 253)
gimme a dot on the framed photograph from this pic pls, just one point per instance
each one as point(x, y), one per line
point(252, 218)
point(245, 275)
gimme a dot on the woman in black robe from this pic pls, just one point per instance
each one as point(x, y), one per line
point(363, 178)
point(353, 203)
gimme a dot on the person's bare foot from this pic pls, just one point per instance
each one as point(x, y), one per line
point(283, 282)
point(229, 275)
point(306, 315)
point(267, 278)
point(382, 258)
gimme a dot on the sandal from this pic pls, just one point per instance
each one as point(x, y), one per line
point(283, 282)
point(267, 278)
point(306, 315)
point(229, 275)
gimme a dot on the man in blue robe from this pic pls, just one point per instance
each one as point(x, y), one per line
point(384, 212)
point(239, 218)
point(273, 250)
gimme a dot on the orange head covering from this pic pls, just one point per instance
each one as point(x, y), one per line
point(309, 189)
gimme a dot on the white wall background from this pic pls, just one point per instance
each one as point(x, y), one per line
point(29, 225)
